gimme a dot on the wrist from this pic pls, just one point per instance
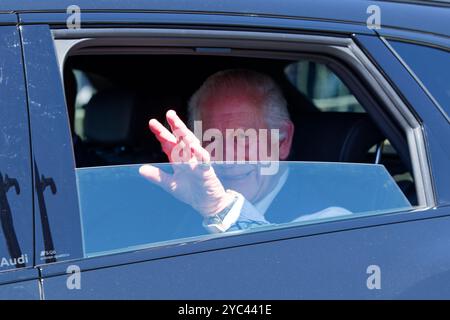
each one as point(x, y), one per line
point(222, 220)
point(223, 202)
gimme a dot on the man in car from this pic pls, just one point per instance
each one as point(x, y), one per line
point(230, 101)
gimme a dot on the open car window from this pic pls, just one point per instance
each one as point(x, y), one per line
point(341, 164)
point(122, 210)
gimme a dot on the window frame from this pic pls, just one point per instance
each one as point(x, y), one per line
point(344, 50)
point(56, 219)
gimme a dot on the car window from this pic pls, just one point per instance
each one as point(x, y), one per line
point(322, 86)
point(339, 165)
point(432, 67)
point(121, 209)
point(16, 231)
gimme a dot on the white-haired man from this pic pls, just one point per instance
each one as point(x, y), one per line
point(229, 101)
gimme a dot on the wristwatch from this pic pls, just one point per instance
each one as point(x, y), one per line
point(223, 220)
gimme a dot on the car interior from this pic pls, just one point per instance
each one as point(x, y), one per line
point(110, 99)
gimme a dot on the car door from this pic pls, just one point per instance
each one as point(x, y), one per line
point(401, 254)
point(18, 278)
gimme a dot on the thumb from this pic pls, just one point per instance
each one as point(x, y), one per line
point(155, 175)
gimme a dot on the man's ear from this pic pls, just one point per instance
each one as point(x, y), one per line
point(286, 137)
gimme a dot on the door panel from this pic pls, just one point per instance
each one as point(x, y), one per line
point(412, 257)
point(16, 215)
point(26, 290)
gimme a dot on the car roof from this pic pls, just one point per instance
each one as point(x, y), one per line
point(425, 16)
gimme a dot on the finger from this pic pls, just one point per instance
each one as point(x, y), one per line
point(179, 128)
point(200, 153)
point(156, 175)
point(181, 153)
point(160, 131)
point(164, 136)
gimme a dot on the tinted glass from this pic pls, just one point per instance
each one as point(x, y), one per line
point(322, 86)
point(432, 66)
point(121, 209)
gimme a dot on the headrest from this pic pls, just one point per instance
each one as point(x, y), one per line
point(335, 137)
point(109, 117)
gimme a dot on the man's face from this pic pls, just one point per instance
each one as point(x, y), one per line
point(229, 113)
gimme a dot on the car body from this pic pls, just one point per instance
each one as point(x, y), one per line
point(330, 260)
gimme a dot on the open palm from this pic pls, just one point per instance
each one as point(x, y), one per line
point(193, 180)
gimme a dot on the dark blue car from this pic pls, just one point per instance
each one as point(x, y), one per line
point(367, 85)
